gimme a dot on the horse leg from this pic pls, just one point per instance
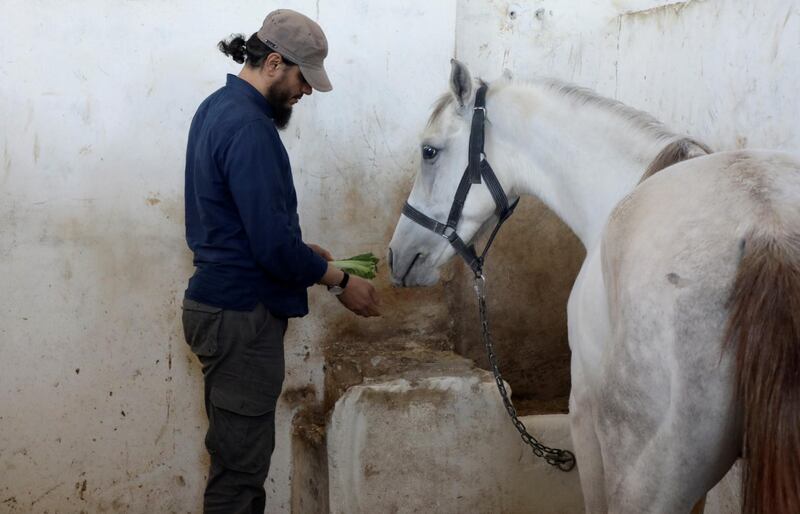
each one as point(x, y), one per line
point(659, 482)
point(667, 436)
point(588, 334)
point(587, 453)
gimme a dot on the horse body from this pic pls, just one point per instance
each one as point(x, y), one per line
point(653, 392)
point(656, 413)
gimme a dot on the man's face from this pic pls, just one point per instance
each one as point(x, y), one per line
point(287, 89)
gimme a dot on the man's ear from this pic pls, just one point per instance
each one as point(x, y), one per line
point(272, 62)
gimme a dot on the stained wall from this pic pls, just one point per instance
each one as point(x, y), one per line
point(100, 401)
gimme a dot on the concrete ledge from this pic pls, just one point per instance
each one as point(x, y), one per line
point(441, 444)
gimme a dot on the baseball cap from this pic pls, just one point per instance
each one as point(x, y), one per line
point(301, 40)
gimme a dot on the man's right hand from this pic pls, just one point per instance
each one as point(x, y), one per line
point(360, 297)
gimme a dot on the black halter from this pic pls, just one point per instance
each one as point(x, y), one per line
point(477, 168)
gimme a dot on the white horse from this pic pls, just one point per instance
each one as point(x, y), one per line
point(684, 322)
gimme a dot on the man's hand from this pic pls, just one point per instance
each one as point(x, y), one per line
point(322, 252)
point(360, 297)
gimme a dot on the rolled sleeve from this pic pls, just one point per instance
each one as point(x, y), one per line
point(260, 189)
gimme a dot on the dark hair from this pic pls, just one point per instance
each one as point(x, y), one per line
point(254, 51)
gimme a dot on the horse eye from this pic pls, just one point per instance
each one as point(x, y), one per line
point(429, 152)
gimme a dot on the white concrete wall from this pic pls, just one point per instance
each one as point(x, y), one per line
point(723, 71)
point(95, 103)
point(101, 403)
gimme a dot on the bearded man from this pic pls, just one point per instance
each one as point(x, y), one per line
point(252, 268)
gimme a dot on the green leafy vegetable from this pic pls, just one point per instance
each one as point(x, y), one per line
point(364, 265)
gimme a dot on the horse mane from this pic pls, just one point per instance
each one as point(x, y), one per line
point(679, 149)
point(585, 96)
point(439, 107)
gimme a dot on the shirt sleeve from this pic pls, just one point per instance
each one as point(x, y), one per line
point(252, 166)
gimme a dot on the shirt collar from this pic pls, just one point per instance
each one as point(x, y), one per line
point(248, 90)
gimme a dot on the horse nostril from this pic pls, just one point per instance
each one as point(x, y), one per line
point(391, 260)
point(408, 271)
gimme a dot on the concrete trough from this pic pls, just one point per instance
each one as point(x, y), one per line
point(441, 444)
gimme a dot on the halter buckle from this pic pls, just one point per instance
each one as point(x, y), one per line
point(480, 109)
point(448, 232)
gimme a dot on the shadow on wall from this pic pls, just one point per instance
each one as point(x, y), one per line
point(530, 271)
point(415, 325)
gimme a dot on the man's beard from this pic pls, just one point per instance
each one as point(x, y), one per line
point(278, 97)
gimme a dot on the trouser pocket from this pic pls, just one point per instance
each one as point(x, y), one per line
point(241, 431)
point(201, 327)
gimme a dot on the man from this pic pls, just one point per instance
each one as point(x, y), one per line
point(252, 266)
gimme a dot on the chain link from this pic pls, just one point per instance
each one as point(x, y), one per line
point(562, 459)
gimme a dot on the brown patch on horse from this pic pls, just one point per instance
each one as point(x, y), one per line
point(699, 507)
point(681, 150)
point(764, 331)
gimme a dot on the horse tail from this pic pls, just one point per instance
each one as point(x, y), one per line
point(764, 331)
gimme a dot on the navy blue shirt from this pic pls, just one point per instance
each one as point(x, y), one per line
point(241, 209)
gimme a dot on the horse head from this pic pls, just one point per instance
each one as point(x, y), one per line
point(417, 251)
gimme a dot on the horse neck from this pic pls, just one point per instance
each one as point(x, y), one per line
point(578, 157)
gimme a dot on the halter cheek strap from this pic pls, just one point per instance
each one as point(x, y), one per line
point(478, 170)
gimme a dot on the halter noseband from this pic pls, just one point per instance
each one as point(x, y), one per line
point(477, 168)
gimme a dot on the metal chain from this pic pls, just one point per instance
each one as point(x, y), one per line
point(562, 459)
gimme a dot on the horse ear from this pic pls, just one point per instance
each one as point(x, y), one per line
point(460, 82)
